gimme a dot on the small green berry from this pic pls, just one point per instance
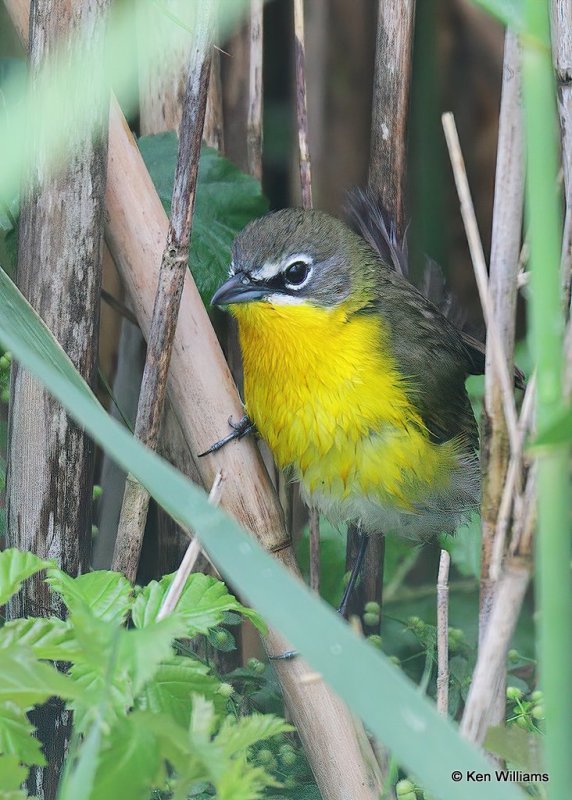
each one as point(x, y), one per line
point(372, 608)
point(375, 640)
point(264, 756)
point(226, 689)
point(537, 696)
point(513, 655)
point(404, 787)
point(538, 712)
point(522, 722)
point(220, 637)
point(286, 747)
point(96, 492)
point(395, 660)
point(288, 758)
point(5, 396)
point(513, 693)
point(256, 666)
point(371, 619)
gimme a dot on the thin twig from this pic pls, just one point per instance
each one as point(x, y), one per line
point(254, 114)
point(443, 634)
point(301, 105)
point(513, 476)
point(314, 550)
point(168, 296)
point(480, 267)
point(189, 559)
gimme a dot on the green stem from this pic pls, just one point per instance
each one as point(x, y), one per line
point(554, 551)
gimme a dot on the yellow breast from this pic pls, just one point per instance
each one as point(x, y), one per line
point(325, 394)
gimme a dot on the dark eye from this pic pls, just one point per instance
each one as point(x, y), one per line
point(296, 273)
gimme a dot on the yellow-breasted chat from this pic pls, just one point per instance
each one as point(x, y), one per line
point(351, 376)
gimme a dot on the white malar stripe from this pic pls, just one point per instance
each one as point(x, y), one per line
point(278, 299)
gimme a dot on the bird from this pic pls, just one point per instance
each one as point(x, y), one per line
point(352, 376)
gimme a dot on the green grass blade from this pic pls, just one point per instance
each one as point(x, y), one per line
point(554, 544)
point(376, 690)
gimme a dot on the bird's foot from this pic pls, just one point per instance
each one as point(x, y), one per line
point(239, 429)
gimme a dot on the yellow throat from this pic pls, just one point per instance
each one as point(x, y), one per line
point(325, 394)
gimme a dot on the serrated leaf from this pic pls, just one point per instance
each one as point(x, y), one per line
point(26, 682)
point(141, 651)
point(52, 639)
point(106, 594)
point(17, 736)
point(12, 775)
point(516, 746)
point(239, 734)
point(227, 199)
point(15, 567)
point(173, 686)
point(129, 763)
point(203, 604)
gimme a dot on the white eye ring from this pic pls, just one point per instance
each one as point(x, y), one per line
point(295, 286)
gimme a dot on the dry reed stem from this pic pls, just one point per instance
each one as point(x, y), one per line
point(254, 112)
point(443, 634)
point(496, 503)
point(189, 559)
point(301, 105)
point(314, 550)
point(213, 132)
point(480, 268)
point(168, 297)
point(392, 81)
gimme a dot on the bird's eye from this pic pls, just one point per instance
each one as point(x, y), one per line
point(296, 273)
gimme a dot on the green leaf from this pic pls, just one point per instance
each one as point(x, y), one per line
point(12, 775)
point(17, 736)
point(239, 734)
point(77, 782)
point(129, 763)
point(15, 567)
point(202, 605)
point(516, 746)
point(405, 721)
point(52, 639)
point(106, 594)
point(26, 682)
point(227, 199)
point(141, 651)
point(172, 688)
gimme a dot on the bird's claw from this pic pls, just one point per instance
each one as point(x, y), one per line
point(239, 429)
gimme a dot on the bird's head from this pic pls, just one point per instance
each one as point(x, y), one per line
point(294, 257)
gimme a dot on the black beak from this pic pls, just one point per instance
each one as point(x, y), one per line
point(238, 289)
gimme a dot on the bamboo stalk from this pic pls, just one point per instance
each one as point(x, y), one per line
point(443, 634)
point(301, 105)
point(171, 279)
point(554, 554)
point(392, 81)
